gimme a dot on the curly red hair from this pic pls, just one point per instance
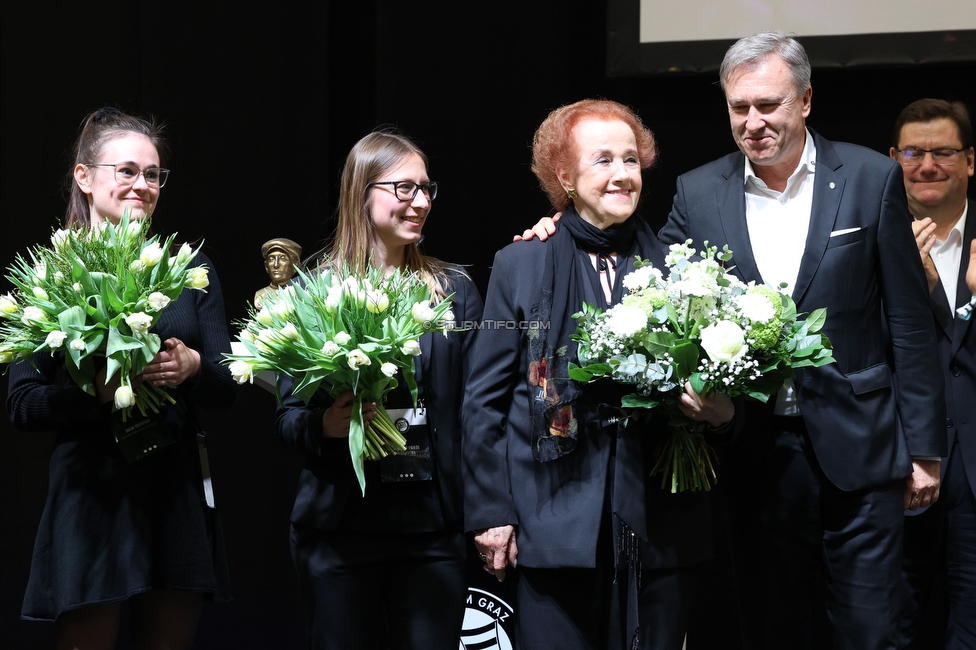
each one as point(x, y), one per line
point(554, 145)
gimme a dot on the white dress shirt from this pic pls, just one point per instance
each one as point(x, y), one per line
point(778, 223)
point(947, 256)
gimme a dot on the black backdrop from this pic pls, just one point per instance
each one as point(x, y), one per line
point(262, 106)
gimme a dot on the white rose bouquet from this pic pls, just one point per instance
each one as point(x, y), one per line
point(97, 292)
point(700, 325)
point(342, 332)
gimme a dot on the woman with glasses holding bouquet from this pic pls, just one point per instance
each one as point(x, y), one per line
point(386, 569)
point(114, 530)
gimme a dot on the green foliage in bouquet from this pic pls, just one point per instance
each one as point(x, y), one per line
point(700, 325)
point(97, 293)
point(340, 331)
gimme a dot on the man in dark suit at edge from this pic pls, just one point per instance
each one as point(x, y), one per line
point(837, 457)
point(933, 142)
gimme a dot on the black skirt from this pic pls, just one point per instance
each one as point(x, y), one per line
point(111, 529)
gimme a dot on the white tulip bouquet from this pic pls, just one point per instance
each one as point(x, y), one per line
point(700, 325)
point(97, 292)
point(341, 331)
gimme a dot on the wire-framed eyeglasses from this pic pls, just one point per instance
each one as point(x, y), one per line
point(912, 156)
point(127, 174)
point(407, 190)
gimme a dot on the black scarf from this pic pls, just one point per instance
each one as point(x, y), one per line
point(555, 408)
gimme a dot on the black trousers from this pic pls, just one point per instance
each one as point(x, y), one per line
point(585, 609)
point(368, 591)
point(940, 567)
point(817, 567)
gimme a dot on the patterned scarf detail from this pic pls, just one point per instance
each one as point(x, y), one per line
point(555, 413)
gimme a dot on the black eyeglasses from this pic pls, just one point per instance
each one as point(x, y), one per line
point(407, 190)
point(127, 174)
point(912, 156)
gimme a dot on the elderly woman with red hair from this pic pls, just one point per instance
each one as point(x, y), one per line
point(554, 483)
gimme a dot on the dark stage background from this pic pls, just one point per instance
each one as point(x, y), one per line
point(262, 106)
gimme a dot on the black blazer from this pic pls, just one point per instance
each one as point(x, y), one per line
point(556, 506)
point(957, 353)
point(327, 482)
point(861, 434)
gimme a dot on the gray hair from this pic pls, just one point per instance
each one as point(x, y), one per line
point(751, 50)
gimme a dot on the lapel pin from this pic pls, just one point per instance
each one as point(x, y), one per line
point(831, 185)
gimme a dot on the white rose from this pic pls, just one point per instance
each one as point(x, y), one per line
point(77, 287)
point(139, 322)
point(137, 266)
point(724, 341)
point(32, 314)
point(342, 338)
point(626, 321)
point(78, 345)
point(411, 348)
point(55, 339)
point(151, 254)
point(330, 349)
point(241, 371)
point(642, 278)
point(695, 281)
point(388, 369)
point(377, 301)
point(357, 358)
point(422, 312)
point(756, 307)
point(157, 301)
point(124, 397)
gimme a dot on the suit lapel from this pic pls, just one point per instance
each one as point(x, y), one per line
point(732, 208)
point(828, 188)
point(962, 289)
point(944, 315)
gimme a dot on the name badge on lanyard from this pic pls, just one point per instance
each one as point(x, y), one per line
point(413, 463)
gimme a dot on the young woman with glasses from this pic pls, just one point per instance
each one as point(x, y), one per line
point(387, 569)
point(115, 532)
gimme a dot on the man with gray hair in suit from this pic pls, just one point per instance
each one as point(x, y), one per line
point(835, 458)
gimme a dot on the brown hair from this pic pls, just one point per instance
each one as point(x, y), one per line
point(926, 110)
point(97, 129)
point(370, 158)
point(554, 146)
